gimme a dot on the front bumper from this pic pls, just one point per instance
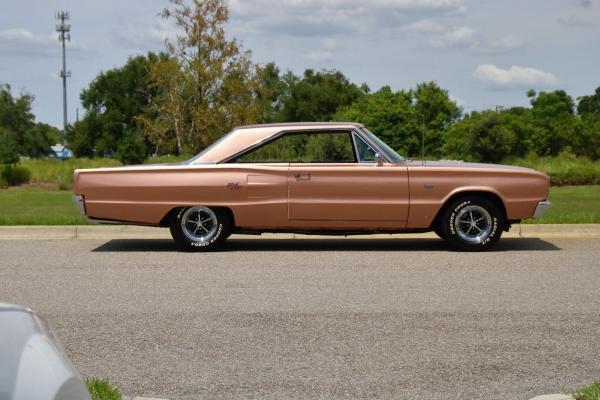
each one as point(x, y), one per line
point(79, 203)
point(541, 208)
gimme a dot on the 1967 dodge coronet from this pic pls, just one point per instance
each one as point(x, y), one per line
point(325, 178)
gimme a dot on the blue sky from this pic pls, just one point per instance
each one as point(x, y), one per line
point(485, 52)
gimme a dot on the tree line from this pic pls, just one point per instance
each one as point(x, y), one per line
point(204, 84)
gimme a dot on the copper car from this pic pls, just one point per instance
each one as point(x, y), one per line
point(325, 178)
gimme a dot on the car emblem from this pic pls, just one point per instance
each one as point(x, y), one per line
point(233, 185)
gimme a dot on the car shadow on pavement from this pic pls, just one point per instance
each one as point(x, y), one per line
point(165, 245)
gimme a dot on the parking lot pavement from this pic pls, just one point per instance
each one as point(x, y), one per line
point(298, 319)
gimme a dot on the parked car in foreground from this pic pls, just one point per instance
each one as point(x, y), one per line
point(33, 364)
point(314, 178)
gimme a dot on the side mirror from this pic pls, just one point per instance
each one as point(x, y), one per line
point(379, 159)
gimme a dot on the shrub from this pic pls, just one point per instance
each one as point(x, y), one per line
point(102, 389)
point(60, 172)
point(16, 174)
point(131, 150)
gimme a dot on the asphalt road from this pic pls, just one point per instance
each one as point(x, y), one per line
point(316, 319)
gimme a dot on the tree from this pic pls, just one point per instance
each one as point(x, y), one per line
point(435, 113)
point(400, 118)
point(38, 139)
point(555, 113)
point(389, 115)
point(317, 96)
point(208, 85)
point(16, 119)
point(589, 104)
point(275, 87)
point(112, 102)
point(9, 152)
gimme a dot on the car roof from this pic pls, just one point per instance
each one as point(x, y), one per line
point(304, 125)
point(246, 136)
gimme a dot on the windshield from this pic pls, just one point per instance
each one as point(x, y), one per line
point(389, 152)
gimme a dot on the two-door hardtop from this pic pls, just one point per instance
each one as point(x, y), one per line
point(326, 178)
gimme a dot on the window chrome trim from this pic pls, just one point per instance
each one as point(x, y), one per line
point(264, 142)
point(372, 145)
point(355, 137)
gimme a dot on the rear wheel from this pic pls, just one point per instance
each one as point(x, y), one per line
point(200, 228)
point(440, 234)
point(472, 223)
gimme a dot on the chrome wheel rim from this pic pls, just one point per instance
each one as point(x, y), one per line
point(473, 224)
point(199, 224)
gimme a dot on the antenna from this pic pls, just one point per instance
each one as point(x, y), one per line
point(423, 139)
point(64, 34)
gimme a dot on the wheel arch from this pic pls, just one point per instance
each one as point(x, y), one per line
point(487, 193)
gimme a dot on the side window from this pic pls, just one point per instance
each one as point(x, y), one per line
point(364, 152)
point(313, 147)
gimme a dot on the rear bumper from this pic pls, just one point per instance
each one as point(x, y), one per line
point(79, 203)
point(541, 208)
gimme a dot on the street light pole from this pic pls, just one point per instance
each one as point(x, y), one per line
point(64, 29)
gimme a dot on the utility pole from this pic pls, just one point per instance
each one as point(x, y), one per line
point(64, 34)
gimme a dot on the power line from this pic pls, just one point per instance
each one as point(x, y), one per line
point(64, 34)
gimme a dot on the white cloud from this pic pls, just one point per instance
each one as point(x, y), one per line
point(500, 45)
point(325, 52)
point(326, 17)
point(514, 77)
point(422, 26)
point(576, 20)
point(19, 41)
point(145, 38)
point(460, 36)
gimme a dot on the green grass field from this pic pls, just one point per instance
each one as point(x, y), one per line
point(31, 206)
point(572, 205)
point(28, 206)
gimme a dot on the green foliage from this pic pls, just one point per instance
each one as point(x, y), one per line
point(564, 169)
point(60, 172)
point(590, 392)
point(401, 118)
point(38, 139)
point(17, 120)
point(15, 113)
point(316, 96)
point(16, 174)
point(168, 159)
point(589, 104)
point(102, 389)
point(112, 101)
point(9, 152)
point(131, 150)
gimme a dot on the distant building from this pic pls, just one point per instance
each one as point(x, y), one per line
point(60, 151)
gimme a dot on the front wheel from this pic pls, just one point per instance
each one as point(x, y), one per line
point(472, 223)
point(200, 228)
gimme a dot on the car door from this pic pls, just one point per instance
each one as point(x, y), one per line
point(347, 185)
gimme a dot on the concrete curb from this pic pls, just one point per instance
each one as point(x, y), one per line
point(107, 232)
point(554, 397)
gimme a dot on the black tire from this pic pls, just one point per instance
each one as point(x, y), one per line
point(472, 223)
point(211, 234)
point(440, 234)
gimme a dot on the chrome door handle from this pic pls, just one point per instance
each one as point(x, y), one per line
point(301, 177)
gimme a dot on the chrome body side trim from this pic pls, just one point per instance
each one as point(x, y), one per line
point(541, 208)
